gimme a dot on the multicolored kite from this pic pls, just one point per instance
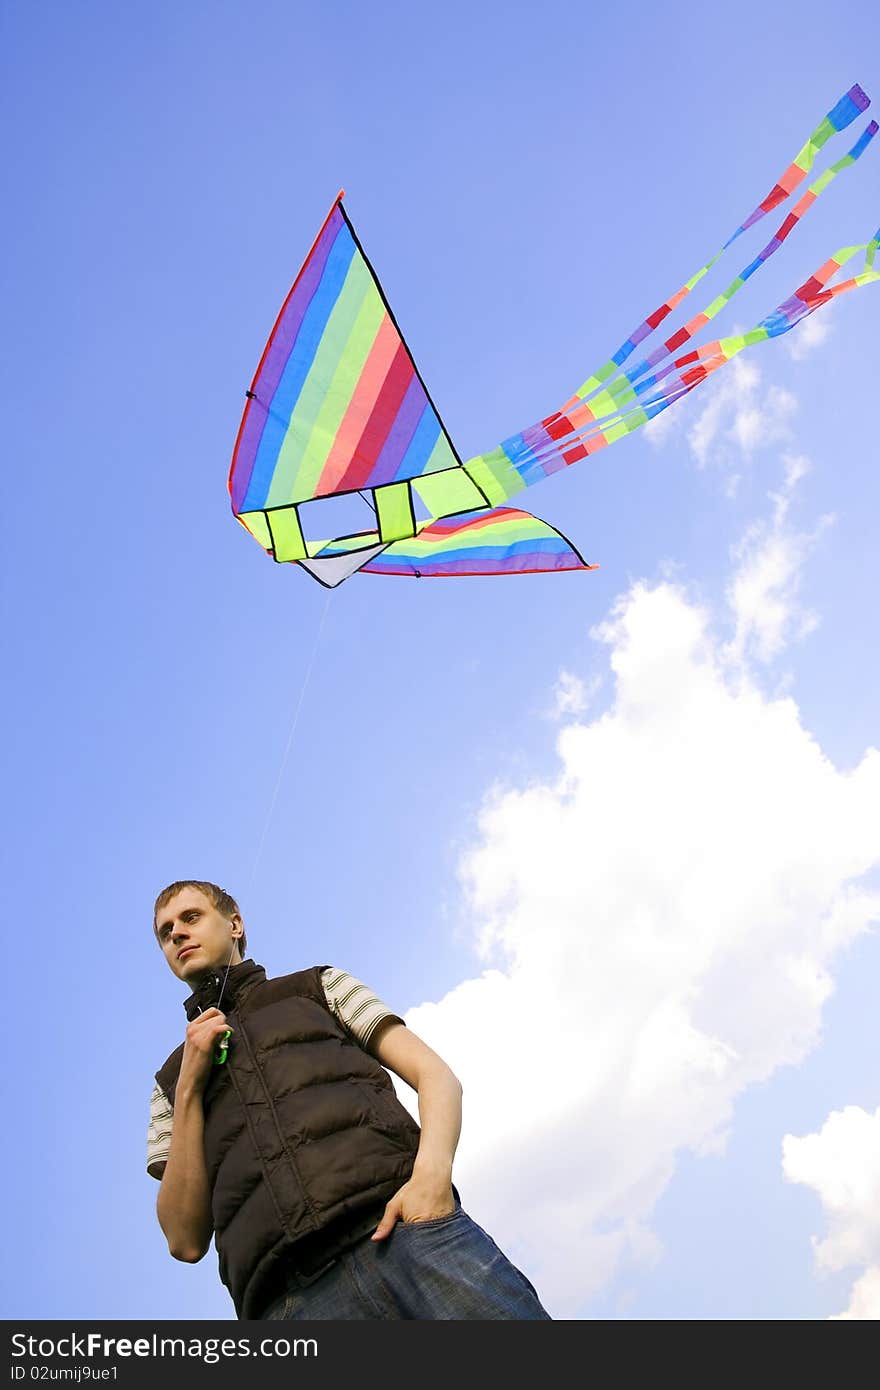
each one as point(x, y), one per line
point(337, 406)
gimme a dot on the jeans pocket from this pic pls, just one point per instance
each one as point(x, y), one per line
point(285, 1309)
point(434, 1222)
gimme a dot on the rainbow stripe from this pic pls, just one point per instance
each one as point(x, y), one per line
point(503, 541)
point(336, 404)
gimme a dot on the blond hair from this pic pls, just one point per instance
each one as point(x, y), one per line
point(220, 899)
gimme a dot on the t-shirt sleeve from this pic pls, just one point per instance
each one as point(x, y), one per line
point(358, 1009)
point(159, 1132)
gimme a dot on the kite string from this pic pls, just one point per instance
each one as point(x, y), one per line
point(290, 737)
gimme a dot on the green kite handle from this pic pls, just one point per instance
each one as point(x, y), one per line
point(222, 1048)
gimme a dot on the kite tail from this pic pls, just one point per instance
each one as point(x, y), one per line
point(850, 105)
point(680, 377)
point(614, 402)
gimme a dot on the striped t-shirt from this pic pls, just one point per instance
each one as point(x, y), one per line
point(356, 1007)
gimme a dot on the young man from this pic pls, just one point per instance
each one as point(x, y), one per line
point(275, 1128)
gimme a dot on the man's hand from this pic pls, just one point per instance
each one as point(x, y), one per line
point(420, 1199)
point(202, 1037)
point(184, 1202)
point(428, 1194)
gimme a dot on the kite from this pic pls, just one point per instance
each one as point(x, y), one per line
point(337, 406)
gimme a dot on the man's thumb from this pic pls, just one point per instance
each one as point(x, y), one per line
point(385, 1226)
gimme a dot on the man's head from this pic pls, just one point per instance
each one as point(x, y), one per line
point(199, 928)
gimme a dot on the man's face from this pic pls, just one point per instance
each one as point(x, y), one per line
point(194, 936)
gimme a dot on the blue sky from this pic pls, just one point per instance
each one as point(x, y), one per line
point(529, 182)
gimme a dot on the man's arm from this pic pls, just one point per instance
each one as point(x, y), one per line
point(184, 1202)
point(428, 1193)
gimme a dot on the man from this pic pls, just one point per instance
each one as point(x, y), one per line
point(275, 1128)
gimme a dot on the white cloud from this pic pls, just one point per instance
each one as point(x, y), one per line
point(810, 334)
point(740, 416)
point(658, 923)
point(659, 429)
point(763, 590)
point(737, 416)
point(864, 1302)
point(572, 695)
point(842, 1164)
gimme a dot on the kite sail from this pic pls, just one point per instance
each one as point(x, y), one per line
point(337, 406)
point(499, 540)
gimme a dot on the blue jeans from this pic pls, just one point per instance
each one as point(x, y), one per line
point(448, 1268)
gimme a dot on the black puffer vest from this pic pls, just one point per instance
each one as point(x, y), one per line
point(305, 1139)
